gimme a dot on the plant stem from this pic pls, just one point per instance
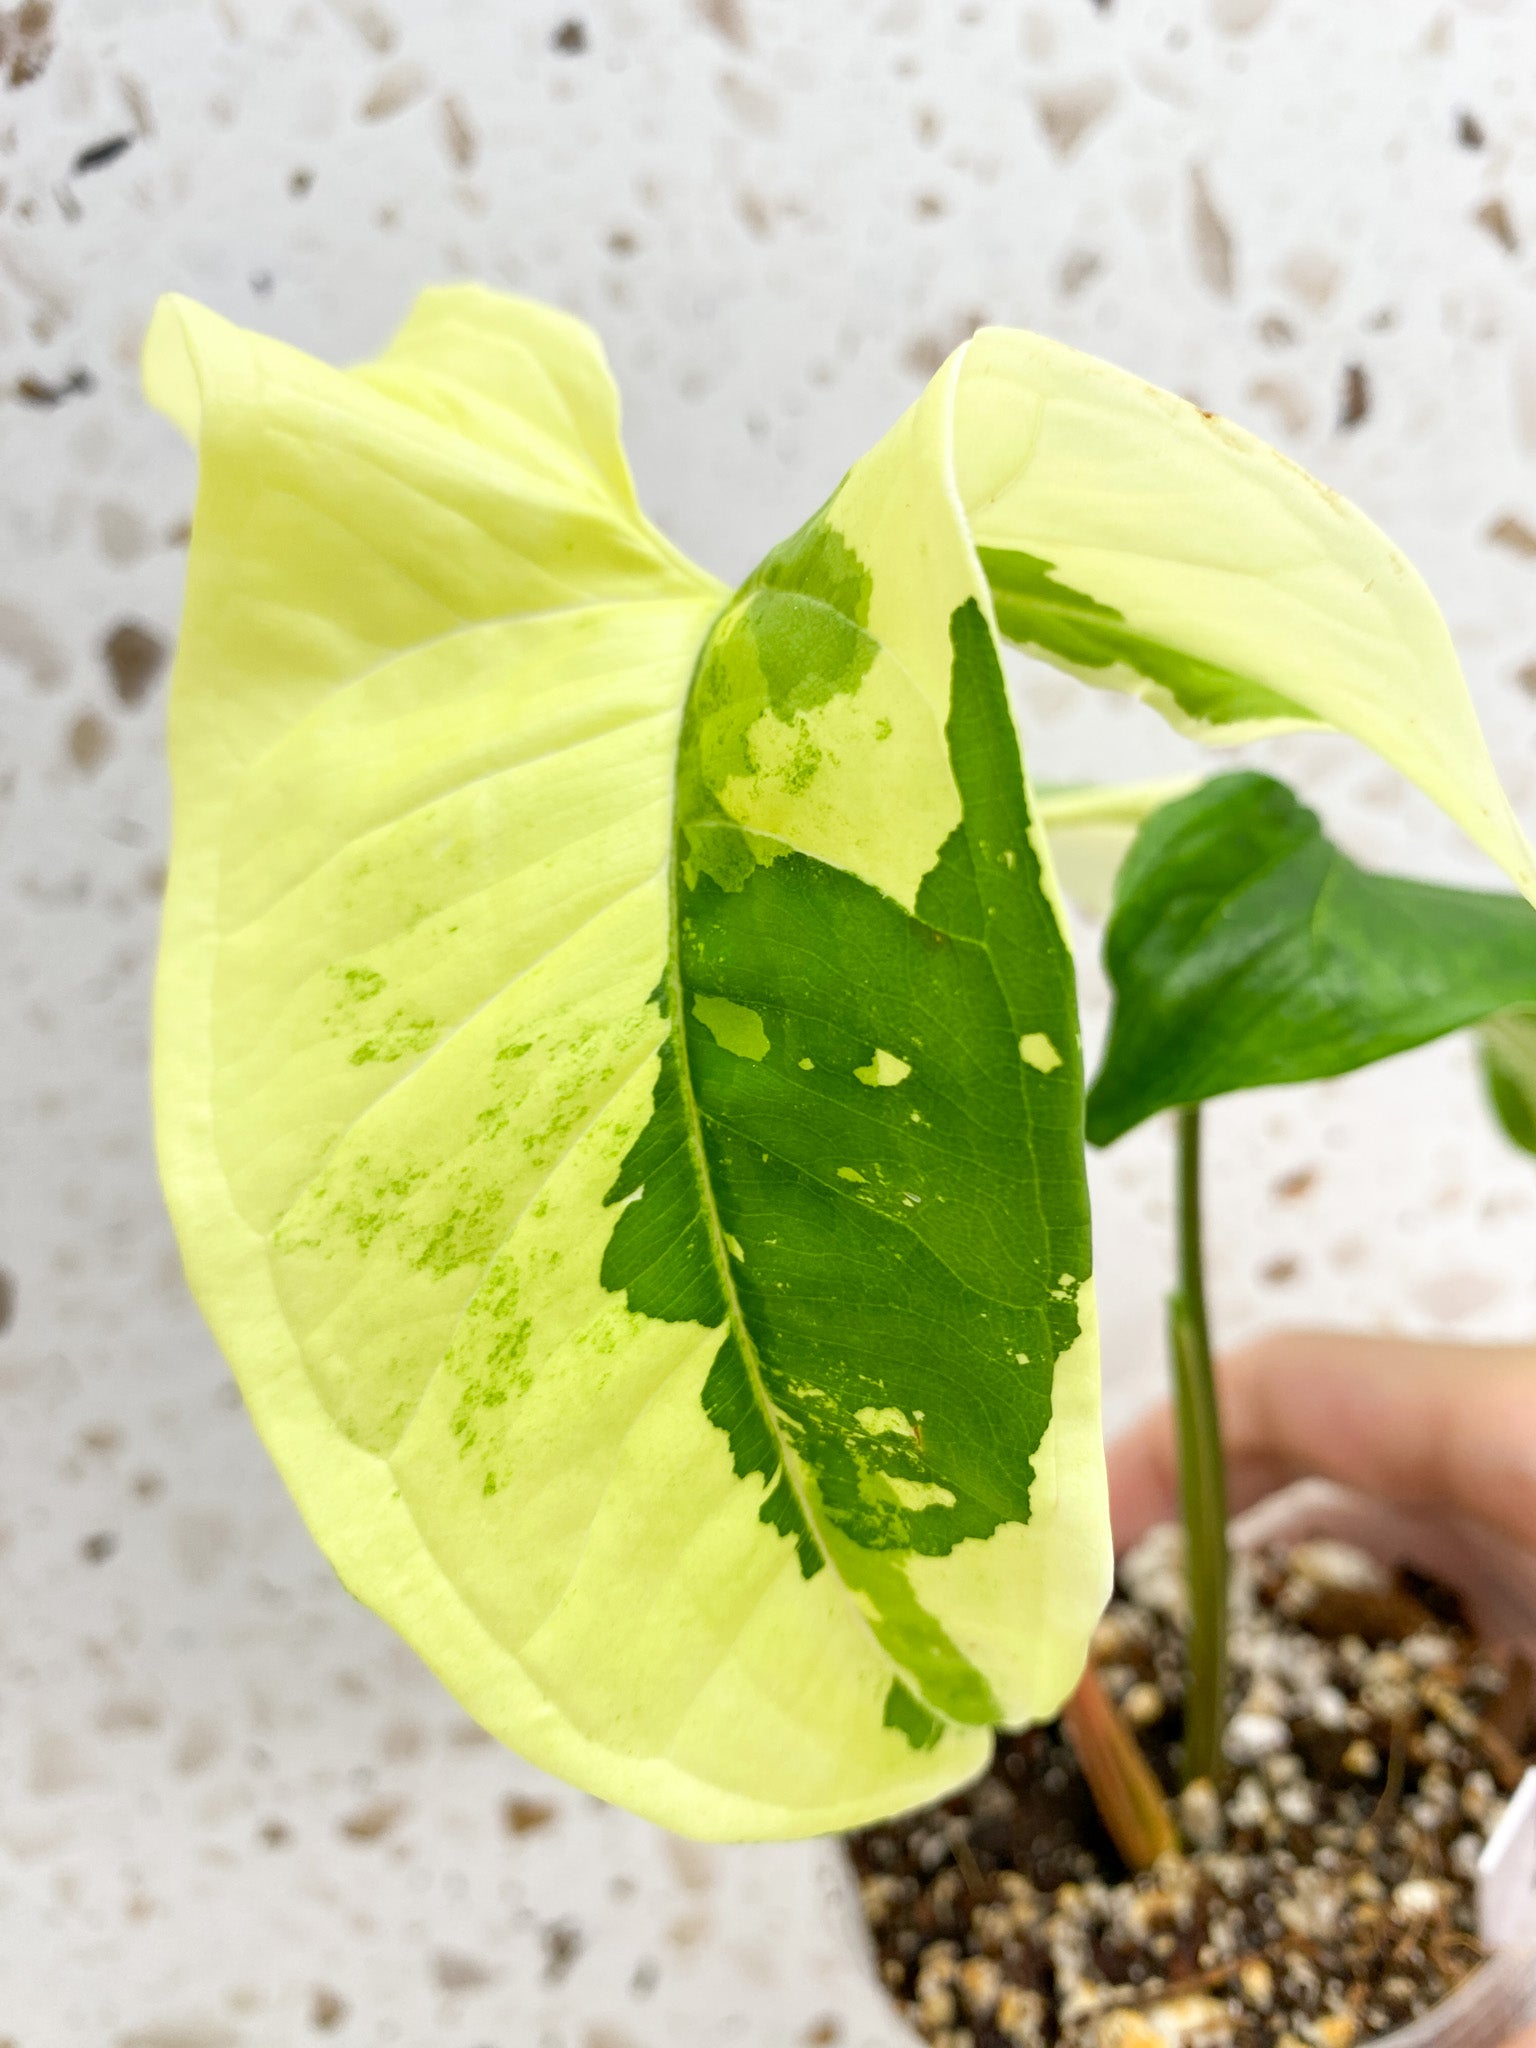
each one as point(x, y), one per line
point(1202, 1473)
point(1125, 1791)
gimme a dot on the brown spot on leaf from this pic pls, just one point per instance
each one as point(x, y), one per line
point(526, 1816)
point(26, 42)
point(90, 742)
point(1278, 1271)
point(570, 38)
point(134, 658)
point(7, 1300)
point(1290, 1187)
point(96, 1549)
point(458, 132)
point(1355, 402)
point(301, 181)
point(1525, 676)
point(823, 2033)
point(1494, 215)
point(1211, 236)
point(1469, 131)
point(1512, 533)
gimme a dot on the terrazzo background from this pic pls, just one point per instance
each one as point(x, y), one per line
point(234, 1813)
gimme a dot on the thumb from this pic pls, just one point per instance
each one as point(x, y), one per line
point(1446, 1427)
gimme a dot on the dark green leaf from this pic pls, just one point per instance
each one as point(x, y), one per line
point(1508, 1046)
point(1246, 950)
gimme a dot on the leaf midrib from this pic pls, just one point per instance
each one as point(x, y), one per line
point(715, 1235)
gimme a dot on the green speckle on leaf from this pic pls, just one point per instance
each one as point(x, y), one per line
point(733, 1026)
point(1037, 1051)
point(885, 1070)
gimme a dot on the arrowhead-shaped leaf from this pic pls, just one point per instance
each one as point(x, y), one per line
point(1246, 950)
point(617, 1069)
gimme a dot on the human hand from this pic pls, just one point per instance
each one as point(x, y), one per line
point(1441, 1438)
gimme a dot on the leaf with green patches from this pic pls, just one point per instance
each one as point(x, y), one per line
point(1246, 950)
point(1507, 1043)
point(1149, 547)
point(617, 1069)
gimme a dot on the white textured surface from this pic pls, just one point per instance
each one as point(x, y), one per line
point(233, 1812)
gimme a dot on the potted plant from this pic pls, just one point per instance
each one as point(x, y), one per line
point(1339, 1797)
point(617, 1067)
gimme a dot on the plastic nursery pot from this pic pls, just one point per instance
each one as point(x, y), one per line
point(1498, 1587)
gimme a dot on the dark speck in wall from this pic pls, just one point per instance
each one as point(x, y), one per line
point(26, 42)
point(134, 658)
point(1494, 215)
point(1469, 131)
point(570, 38)
point(100, 154)
point(1356, 402)
point(562, 1945)
point(90, 742)
point(1512, 533)
point(526, 1816)
point(38, 391)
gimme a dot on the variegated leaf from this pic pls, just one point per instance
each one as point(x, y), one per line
point(617, 1067)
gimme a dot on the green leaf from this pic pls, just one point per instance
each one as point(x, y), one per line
point(1152, 548)
point(617, 1075)
point(664, 1281)
point(1246, 950)
point(1507, 1043)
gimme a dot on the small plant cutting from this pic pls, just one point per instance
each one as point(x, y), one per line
point(1343, 1770)
point(617, 1068)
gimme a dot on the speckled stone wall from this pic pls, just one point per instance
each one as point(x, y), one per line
point(234, 1813)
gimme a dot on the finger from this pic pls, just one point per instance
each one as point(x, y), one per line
point(1445, 1426)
